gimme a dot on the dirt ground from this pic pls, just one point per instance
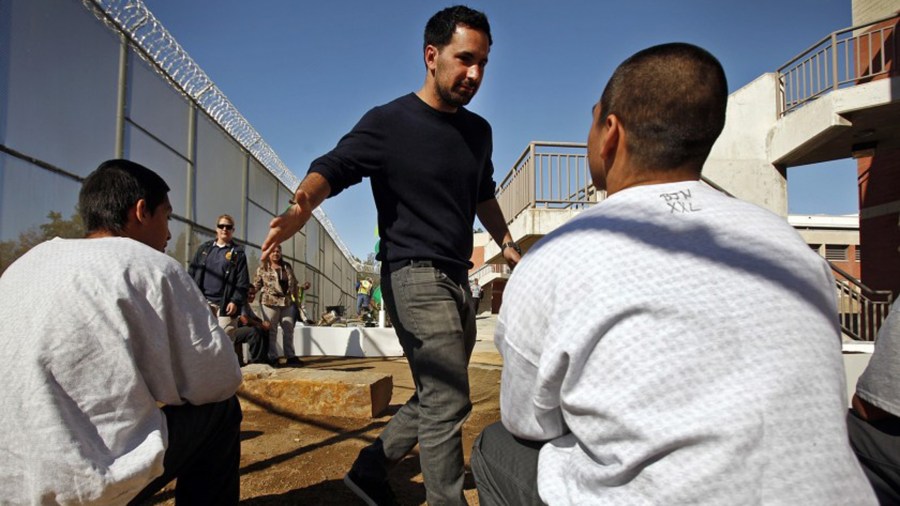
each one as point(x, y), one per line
point(288, 460)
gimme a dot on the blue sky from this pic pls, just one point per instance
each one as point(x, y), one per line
point(303, 72)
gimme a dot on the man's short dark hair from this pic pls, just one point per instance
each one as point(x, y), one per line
point(671, 100)
point(439, 29)
point(115, 186)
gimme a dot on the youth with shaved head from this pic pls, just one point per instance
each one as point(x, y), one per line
point(125, 382)
point(684, 346)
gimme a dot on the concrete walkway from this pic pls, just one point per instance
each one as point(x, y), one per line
point(485, 354)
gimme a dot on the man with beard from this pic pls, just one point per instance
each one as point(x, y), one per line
point(429, 160)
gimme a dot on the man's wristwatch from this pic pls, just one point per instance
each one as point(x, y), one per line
point(513, 245)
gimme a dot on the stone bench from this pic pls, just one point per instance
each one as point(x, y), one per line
point(303, 391)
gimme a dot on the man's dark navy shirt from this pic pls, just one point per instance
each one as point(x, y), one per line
point(429, 169)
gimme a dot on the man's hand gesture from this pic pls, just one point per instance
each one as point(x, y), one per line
point(312, 191)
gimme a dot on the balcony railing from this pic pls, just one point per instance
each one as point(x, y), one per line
point(845, 58)
point(861, 309)
point(550, 175)
point(486, 270)
point(553, 175)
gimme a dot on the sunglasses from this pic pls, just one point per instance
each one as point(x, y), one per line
point(225, 226)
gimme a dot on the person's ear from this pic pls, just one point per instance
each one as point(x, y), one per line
point(141, 211)
point(612, 141)
point(431, 54)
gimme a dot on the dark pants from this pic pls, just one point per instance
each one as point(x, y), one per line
point(433, 317)
point(505, 468)
point(877, 446)
point(362, 303)
point(257, 339)
point(204, 454)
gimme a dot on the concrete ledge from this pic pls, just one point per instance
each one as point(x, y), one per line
point(343, 342)
point(328, 341)
point(380, 342)
point(301, 392)
point(856, 357)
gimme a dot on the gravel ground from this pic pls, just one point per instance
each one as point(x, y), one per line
point(286, 459)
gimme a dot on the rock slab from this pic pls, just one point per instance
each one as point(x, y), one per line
point(302, 392)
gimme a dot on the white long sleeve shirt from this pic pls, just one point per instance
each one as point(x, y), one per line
point(96, 334)
point(677, 346)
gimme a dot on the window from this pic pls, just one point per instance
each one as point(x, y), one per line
point(836, 252)
point(857, 253)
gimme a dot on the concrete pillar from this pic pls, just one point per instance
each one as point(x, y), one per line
point(739, 160)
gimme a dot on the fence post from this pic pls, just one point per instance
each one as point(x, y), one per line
point(834, 60)
point(530, 185)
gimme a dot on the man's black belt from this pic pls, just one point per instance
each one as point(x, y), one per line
point(456, 272)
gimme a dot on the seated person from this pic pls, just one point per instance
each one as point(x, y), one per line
point(874, 421)
point(253, 331)
point(129, 382)
point(684, 347)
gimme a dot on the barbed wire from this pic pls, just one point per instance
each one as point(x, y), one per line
point(133, 19)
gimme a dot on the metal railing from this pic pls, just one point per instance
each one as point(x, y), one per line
point(487, 270)
point(845, 58)
point(155, 44)
point(553, 179)
point(861, 310)
point(551, 175)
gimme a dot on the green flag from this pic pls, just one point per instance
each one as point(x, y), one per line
point(376, 295)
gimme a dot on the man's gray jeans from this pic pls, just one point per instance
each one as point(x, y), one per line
point(434, 320)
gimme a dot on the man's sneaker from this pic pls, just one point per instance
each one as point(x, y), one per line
point(373, 492)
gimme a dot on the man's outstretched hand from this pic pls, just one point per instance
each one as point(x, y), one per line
point(283, 227)
point(312, 191)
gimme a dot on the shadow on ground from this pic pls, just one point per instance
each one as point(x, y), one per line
point(288, 459)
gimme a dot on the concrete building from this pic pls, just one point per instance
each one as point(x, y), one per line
point(491, 277)
point(836, 238)
point(837, 100)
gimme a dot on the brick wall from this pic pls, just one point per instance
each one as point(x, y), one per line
point(879, 219)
